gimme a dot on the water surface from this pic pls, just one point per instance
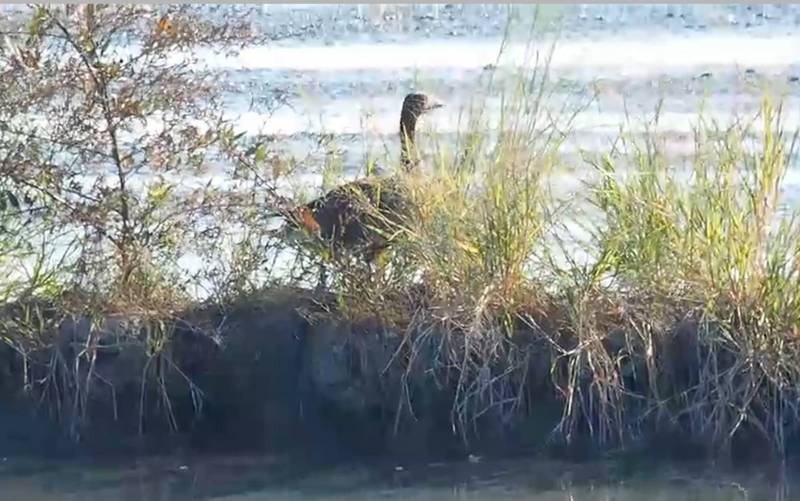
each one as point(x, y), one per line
point(250, 478)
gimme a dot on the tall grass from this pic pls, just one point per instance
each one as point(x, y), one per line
point(705, 244)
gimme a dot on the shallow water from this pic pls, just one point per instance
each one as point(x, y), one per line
point(250, 478)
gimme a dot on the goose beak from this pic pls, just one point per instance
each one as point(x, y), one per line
point(434, 103)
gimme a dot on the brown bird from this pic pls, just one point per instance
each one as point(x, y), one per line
point(364, 215)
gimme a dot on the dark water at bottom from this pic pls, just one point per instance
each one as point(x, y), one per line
point(250, 478)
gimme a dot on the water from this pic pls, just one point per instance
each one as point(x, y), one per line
point(343, 70)
point(251, 478)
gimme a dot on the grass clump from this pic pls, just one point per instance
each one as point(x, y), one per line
point(460, 283)
point(700, 262)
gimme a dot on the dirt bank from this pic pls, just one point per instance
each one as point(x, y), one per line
point(283, 372)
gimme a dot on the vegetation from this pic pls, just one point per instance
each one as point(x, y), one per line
point(683, 317)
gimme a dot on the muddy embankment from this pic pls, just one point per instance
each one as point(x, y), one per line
point(281, 373)
point(275, 374)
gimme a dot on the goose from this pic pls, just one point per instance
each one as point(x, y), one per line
point(363, 215)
